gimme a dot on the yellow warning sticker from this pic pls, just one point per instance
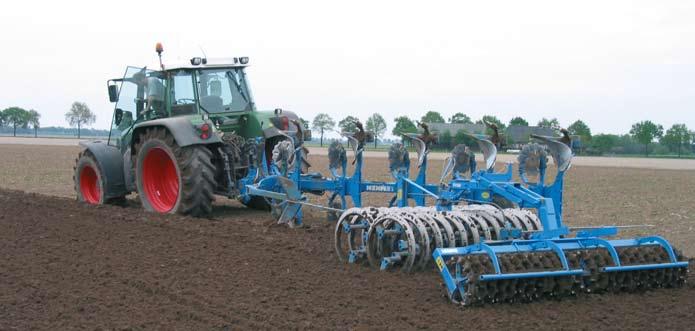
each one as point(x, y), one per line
point(399, 195)
point(485, 195)
point(440, 263)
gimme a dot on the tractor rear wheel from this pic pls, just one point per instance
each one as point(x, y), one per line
point(173, 179)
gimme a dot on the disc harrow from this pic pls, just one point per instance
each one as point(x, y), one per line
point(405, 238)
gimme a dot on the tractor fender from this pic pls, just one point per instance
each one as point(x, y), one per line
point(185, 133)
point(110, 162)
point(274, 131)
point(271, 132)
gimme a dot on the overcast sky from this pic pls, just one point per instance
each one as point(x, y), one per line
point(609, 63)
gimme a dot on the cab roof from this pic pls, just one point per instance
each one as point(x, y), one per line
point(210, 64)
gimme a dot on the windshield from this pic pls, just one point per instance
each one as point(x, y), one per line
point(224, 90)
point(141, 92)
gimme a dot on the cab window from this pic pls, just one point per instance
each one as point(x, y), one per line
point(130, 102)
point(223, 90)
point(182, 94)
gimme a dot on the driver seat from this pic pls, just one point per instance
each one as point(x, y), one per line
point(213, 101)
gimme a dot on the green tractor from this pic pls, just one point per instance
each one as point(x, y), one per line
point(181, 135)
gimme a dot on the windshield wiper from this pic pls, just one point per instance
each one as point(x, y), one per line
point(205, 110)
point(238, 86)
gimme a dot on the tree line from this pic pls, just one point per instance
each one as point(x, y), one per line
point(644, 137)
point(16, 117)
point(324, 123)
point(78, 116)
point(652, 137)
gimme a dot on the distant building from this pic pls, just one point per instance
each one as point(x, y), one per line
point(455, 127)
point(518, 135)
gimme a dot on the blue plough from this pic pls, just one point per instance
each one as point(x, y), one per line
point(480, 231)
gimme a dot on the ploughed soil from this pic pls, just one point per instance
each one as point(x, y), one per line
point(67, 265)
point(593, 195)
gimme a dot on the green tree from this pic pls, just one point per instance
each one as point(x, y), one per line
point(347, 124)
point(34, 119)
point(518, 121)
point(376, 124)
point(403, 125)
point(323, 122)
point(549, 123)
point(2, 119)
point(445, 139)
point(79, 115)
point(604, 142)
point(579, 128)
point(460, 118)
point(645, 132)
point(432, 117)
point(15, 116)
point(676, 137)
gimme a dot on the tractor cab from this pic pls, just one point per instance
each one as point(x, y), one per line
point(208, 88)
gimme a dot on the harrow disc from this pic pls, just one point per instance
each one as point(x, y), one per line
point(423, 239)
point(405, 238)
point(391, 241)
point(351, 232)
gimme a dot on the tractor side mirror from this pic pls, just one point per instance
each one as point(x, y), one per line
point(127, 119)
point(113, 92)
point(118, 115)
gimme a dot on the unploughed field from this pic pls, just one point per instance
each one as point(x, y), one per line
point(70, 266)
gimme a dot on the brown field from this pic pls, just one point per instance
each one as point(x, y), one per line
point(70, 266)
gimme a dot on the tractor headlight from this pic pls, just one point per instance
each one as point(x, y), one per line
point(196, 61)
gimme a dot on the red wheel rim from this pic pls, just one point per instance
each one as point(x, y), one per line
point(89, 185)
point(160, 180)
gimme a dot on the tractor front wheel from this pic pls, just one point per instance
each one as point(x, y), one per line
point(173, 179)
point(89, 183)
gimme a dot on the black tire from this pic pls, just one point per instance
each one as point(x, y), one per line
point(257, 203)
point(89, 183)
point(189, 168)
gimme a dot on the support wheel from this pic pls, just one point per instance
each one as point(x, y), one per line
point(173, 179)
